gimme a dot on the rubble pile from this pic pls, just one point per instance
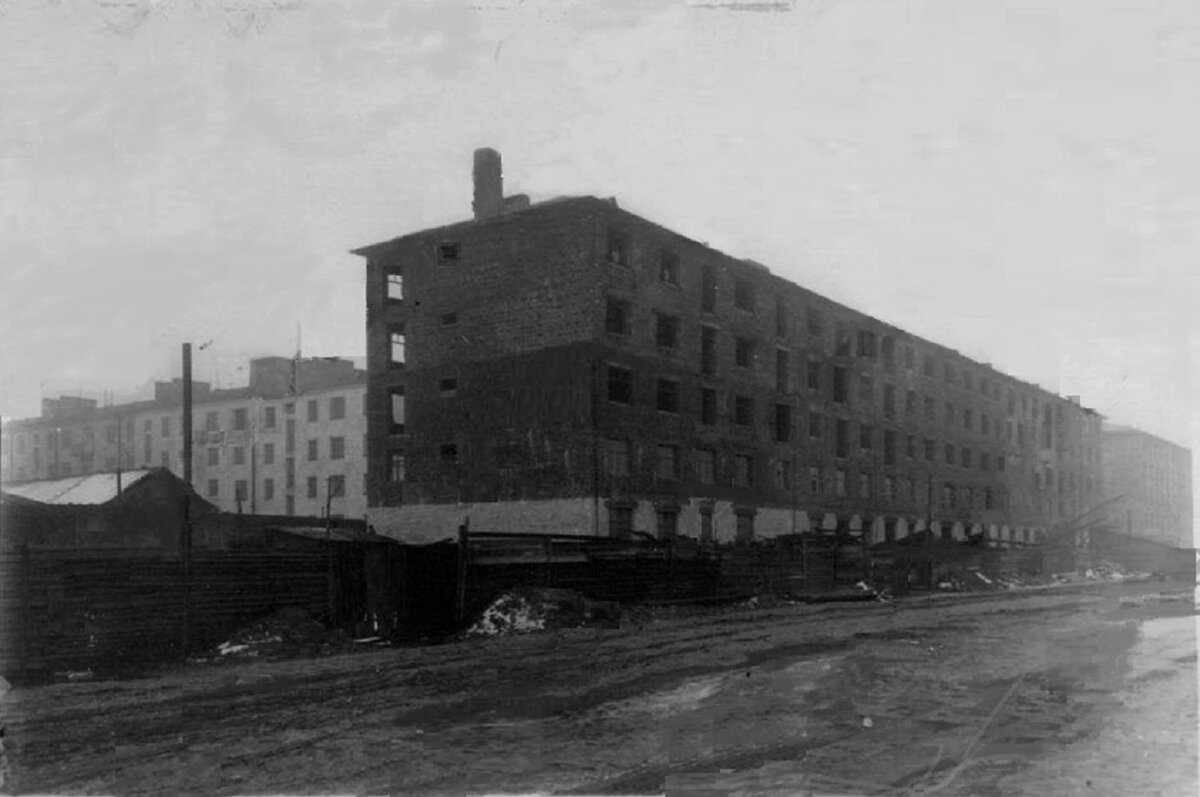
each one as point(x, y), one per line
point(288, 630)
point(524, 610)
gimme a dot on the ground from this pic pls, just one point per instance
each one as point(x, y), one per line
point(1070, 691)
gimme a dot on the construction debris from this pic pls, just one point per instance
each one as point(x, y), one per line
point(520, 611)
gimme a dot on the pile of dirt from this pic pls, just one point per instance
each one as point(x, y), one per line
point(290, 630)
point(519, 611)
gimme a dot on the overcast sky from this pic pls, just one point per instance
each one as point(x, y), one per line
point(1017, 180)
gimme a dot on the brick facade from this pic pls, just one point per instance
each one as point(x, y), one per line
point(576, 350)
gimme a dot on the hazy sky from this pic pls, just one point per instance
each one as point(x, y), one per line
point(1017, 180)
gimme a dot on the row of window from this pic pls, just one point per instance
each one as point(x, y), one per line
point(336, 450)
point(335, 488)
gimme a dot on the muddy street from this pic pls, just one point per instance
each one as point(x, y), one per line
point(1059, 692)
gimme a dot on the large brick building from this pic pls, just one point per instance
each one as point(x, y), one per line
point(276, 446)
point(1151, 480)
point(568, 366)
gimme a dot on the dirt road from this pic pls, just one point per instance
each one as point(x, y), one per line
point(1011, 694)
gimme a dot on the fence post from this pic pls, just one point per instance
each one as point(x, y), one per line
point(460, 587)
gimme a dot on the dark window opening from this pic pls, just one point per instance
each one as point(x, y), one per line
point(743, 295)
point(668, 267)
point(667, 396)
point(616, 318)
point(743, 410)
point(666, 333)
point(618, 247)
point(708, 406)
point(448, 386)
point(814, 375)
point(708, 350)
point(743, 353)
point(448, 453)
point(781, 370)
point(783, 423)
point(839, 384)
point(842, 437)
point(620, 385)
point(447, 251)
point(866, 433)
point(449, 319)
point(708, 290)
point(814, 425)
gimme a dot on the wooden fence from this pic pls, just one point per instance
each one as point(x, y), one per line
point(78, 609)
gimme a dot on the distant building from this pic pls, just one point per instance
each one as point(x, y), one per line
point(1154, 479)
point(286, 444)
point(570, 367)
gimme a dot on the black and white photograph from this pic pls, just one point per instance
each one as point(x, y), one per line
point(688, 398)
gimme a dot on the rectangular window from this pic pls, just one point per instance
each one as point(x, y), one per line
point(398, 410)
point(214, 456)
point(667, 521)
point(667, 463)
point(668, 267)
point(312, 410)
point(618, 247)
point(985, 423)
point(949, 418)
point(396, 466)
point(839, 384)
point(841, 437)
point(616, 318)
point(289, 472)
point(240, 490)
point(842, 340)
point(968, 419)
point(814, 425)
point(815, 321)
point(866, 344)
point(666, 331)
point(165, 427)
point(312, 450)
point(620, 385)
point(813, 375)
point(910, 446)
point(708, 289)
point(815, 485)
point(708, 406)
point(781, 475)
point(743, 471)
point(889, 401)
point(395, 286)
point(948, 373)
point(165, 460)
point(667, 396)
point(949, 452)
point(268, 489)
point(239, 419)
point(910, 357)
point(864, 485)
point(839, 482)
point(866, 433)
point(889, 447)
point(336, 486)
point(210, 421)
point(965, 455)
point(337, 408)
point(866, 388)
point(620, 521)
point(888, 350)
point(706, 466)
point(743, 410)
point(269, 417)
point(448, 453)
point(239, 455)
point(781, 370)
point(929, 448)
point(783, 423)
point(311, 484)
point(337, 448)
point(214, 487)
point(396, 355)
point(449, 319)
point(889, 487)
point(910, 402)
point(743, 295)
point(616, 457)
point(743, 353)
point(708, 350)
point(448, 386)
point(930, 409)
point(268, 453)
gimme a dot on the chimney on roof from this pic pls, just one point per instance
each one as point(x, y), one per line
point(489, 184)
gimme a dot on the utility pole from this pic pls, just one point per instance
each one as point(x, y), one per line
point(185, 541)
